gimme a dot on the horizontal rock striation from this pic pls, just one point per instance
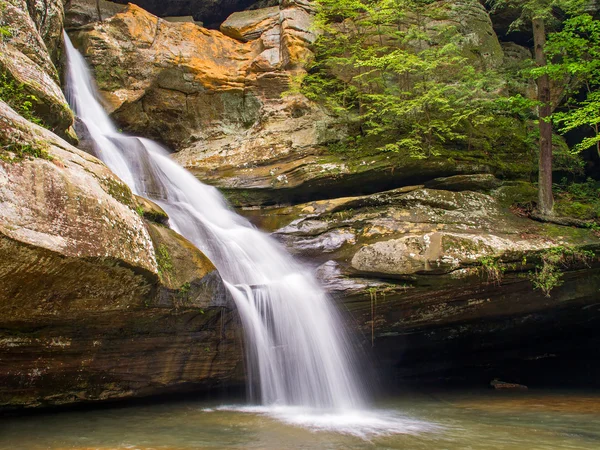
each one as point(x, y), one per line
point(96, 302)
point(437, 283)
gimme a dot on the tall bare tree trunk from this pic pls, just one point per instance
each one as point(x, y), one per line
point(545, 198)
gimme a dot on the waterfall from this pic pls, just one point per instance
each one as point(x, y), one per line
point(297, 353)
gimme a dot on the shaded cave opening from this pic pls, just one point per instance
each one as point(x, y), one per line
point(210, 13)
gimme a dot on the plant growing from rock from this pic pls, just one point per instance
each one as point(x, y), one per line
point(549, 273)
point(17, 97)
point(399, 71)
point(492, 269)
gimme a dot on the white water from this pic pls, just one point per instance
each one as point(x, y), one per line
point(296, 352)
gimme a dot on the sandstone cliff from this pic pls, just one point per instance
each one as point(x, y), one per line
point(99, 299)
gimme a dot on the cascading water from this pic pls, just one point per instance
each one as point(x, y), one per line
point(297, 353)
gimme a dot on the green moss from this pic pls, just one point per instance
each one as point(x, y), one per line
point(109, 77)
point(16, 151)
point(518, 193)
point(118, 190)
point(578, 200)
point(164, 261)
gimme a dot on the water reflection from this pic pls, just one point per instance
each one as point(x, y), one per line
point(478, 420)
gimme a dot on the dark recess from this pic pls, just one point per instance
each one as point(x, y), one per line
point(211, 12)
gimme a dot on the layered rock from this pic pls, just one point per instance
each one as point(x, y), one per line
point(96, 303)
point(26, 59)
point(228, 104)
point(438, 282)
point(234, 112)
point(82, 12)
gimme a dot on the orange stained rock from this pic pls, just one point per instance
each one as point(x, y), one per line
point(212, 59)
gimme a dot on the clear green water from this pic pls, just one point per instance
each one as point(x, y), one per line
point(478, 420)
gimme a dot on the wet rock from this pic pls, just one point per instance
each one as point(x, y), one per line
point(151, 211)
point(95, 302)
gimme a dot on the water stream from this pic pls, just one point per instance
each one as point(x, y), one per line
point(297, 353)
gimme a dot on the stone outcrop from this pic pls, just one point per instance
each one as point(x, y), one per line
point(96, 302)
point(437, 282)
point(26, 58)
point(219, 101)
point(82, 12)
point(226, 102)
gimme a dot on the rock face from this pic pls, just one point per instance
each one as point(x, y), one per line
point(26, 58)
point(226, 102)
point(81, 12)
point(438, 282)
point(95, 302)
point(234, 115)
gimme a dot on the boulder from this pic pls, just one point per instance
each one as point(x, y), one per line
point(238, 108)
point(97, 303)
point(250, 25)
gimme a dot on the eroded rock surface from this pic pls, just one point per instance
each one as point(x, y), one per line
point(438, 282)
point(97, 303)
point(227, 104)
point(27, 54)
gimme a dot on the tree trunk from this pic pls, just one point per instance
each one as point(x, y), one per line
point(98, 10)
point(545, 198)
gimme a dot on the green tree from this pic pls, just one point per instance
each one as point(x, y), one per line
point(574, 53)
point(540, 13)
point(407, 84)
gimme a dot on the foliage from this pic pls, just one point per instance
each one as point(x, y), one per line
point(579, 200)
point(16, 96)
point(492, 269)
point(397, 70)
point(575, 54)
point(548, 274)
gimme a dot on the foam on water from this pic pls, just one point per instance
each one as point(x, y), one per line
point(365, 424)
